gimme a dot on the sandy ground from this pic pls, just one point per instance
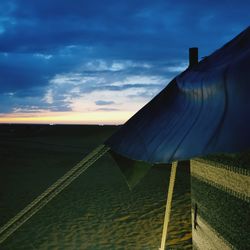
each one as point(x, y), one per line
point(97, 211)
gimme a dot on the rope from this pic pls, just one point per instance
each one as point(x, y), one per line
point(17, 221)
point(168, 205)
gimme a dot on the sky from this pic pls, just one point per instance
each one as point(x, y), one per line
point(98, 61)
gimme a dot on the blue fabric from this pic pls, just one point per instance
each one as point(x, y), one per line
point(204, 110)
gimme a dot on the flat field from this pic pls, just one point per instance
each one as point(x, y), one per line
point(97, 211)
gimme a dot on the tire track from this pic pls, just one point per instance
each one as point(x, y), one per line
point(17, 221)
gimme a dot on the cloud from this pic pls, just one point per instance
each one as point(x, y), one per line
point(178, 68)
point(103, 103)
point(48, 98)
point(53, 54)
point(44, 56)
point(107, 109)
point(125, 29)
point(59, 92)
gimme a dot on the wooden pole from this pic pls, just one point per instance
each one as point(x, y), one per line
point(168, 205)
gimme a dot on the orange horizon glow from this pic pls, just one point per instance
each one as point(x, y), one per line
point(101, 117)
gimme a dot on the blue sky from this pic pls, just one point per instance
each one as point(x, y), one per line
point(100, 61)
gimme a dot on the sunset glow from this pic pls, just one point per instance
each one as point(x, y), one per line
point(68, 117)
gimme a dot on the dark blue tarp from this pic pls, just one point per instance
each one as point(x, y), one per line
point(204, 110)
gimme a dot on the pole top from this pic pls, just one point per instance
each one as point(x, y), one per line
point(193, 56)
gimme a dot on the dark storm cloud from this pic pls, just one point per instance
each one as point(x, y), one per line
point(44, 26)
point(42, 39)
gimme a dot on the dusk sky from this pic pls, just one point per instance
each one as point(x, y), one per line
point(101, 61)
